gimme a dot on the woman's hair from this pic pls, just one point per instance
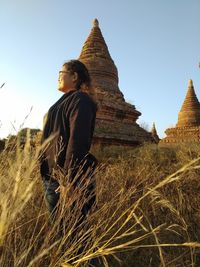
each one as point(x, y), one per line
point(83, 74)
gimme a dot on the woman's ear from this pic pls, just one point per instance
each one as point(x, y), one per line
point(75, 77)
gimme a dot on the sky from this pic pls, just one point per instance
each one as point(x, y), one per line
point(154, 44)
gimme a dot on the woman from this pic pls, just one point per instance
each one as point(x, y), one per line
point(67, 137)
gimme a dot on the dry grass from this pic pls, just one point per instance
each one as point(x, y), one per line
point(147, 214)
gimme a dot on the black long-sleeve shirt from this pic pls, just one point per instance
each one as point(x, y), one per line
point(70, 122)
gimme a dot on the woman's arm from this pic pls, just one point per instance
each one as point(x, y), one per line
point(81, 124)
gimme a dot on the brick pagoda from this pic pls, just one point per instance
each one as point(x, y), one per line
point(187, 129)
point(116, 119)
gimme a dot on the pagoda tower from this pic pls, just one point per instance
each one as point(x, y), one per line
point(116, 119)
point(189, 114)
point(154, 134)
point(187, 129)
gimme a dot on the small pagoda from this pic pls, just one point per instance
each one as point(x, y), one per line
point(116, 119)
point(155, 134)
point(187, 129)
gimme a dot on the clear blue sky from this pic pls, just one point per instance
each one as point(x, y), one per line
point(154, 44)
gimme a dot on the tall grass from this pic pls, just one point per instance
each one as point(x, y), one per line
point(147, 210)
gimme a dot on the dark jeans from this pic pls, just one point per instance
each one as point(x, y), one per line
point(52, 198)
point(88, 165)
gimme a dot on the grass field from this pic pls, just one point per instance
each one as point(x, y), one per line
point(148, 210)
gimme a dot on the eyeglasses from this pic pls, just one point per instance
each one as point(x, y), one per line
point(62, 71)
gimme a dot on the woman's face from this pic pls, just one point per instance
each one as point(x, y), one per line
point(66, 80)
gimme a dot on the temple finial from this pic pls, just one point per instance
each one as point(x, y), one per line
point(95, 23)
point(190, 83)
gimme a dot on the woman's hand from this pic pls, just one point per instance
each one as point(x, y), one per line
point(65, 191)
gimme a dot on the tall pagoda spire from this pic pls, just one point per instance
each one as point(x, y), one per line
point(95, 45)
point(95, 55)
point(115, 119)
point(189, 114)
